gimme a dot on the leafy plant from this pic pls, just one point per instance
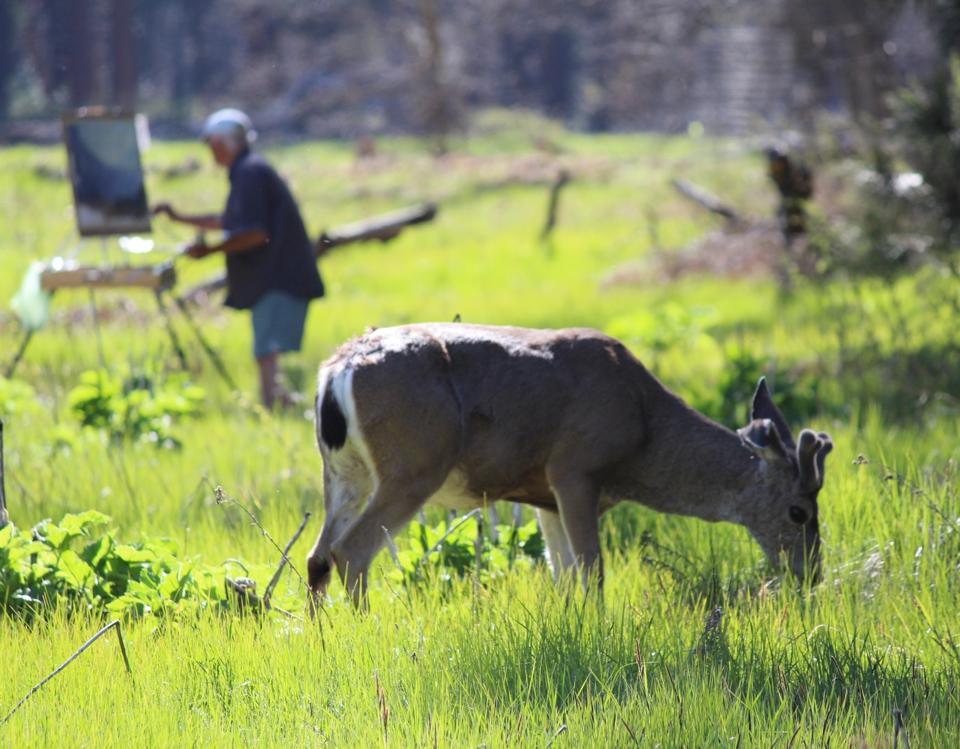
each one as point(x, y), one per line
point(136, 408)
point(796, 396)
point(460, 548)
point(78, 564)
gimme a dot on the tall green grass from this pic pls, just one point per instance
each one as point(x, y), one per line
point(517, 662)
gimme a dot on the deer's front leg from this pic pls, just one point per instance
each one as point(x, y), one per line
point(392, 506)
point(344, 494)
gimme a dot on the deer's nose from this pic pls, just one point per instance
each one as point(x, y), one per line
point(318, 573)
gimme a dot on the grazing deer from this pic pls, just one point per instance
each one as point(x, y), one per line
point(568, 421)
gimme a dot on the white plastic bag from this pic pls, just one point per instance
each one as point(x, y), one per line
point(31, 304)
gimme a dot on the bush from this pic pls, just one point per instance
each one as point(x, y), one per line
point(797, 397)
point(79, 565)
point(136, 408)
point(927, 119)
point(460, 548)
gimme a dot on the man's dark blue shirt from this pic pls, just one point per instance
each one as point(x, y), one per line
point(260, 199)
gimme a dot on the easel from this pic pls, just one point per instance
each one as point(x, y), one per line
point(160, 279)
point(103, 156)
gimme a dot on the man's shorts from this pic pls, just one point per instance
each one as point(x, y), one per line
point(278, 320)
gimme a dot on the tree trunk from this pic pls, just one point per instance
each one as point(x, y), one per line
point(124, 69)
point(80, 73)
point(436, 106)
point(8, 54)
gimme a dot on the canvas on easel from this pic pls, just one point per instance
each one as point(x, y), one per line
point(103, 154)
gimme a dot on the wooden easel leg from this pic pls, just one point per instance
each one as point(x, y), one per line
point(96, 328)
point(12, 366)
point(210, 350)
point(174, 340)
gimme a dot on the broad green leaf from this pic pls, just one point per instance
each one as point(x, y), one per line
point(52, 534)
point(75, 524)
point(73, 569)
point(94, 552)
point(133, 555)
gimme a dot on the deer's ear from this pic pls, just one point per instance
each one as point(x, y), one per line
point(812, 450)
point(763, 439)
point(764, 408)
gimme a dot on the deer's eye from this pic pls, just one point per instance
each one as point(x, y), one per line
point(797, 514)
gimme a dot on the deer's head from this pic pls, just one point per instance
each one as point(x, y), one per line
point(784, 517)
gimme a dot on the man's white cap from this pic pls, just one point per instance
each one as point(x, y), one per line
point(229, 122)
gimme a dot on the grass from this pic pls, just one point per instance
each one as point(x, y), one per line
point(517, 662)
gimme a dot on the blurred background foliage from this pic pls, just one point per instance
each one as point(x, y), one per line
point(351, 68)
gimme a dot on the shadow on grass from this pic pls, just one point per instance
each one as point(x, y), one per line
point(577, 657)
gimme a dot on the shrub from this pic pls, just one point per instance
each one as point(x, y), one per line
point(80, 565)
point(460, 548)
point(797, 397)
point(927, 118)
point(137, 408)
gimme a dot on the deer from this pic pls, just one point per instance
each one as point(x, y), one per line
point(567, 421)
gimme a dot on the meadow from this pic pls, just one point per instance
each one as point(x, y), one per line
point(509, 659)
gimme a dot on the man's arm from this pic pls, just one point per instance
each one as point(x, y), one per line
point(240, 242)
point(202, 221)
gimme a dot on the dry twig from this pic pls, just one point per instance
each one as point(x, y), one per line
point(284, 560)
point(223, 499)
point(115, 624)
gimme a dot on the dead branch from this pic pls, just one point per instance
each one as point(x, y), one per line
point(223, 499)
point(115, 624)
point(705, 199)
point(562, 179)
point(245, 588)
point(283, 561)
point(381, 228)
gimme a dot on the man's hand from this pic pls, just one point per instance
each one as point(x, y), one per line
point(166, 209)
point(198, 249)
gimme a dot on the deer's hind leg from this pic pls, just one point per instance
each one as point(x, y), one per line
point(578, 502)
point(559, 553)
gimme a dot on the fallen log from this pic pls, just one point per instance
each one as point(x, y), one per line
point(381, 228)
point(705, 199)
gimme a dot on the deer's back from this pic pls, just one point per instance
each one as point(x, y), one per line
point(496, 404)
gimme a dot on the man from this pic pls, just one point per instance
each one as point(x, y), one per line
point(271, 267)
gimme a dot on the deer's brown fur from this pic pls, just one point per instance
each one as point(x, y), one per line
point(568, 421)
